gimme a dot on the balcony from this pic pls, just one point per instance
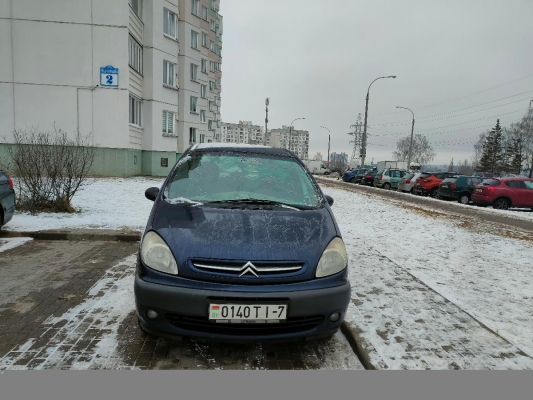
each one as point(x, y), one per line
point(214, 14)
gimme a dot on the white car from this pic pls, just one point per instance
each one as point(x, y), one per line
point(407, 183)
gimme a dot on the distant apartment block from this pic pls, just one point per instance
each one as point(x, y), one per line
point(142, 78)
point(338, 158)
point(294, 140)
point(243, 132)
point(318, 157)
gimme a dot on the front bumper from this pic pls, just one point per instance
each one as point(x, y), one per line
point(183, 312)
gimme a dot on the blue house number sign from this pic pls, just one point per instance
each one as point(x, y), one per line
point(109, 76)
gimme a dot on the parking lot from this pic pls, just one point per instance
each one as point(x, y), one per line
point(416, 304)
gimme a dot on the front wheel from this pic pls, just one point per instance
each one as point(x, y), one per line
point(433, 193)
point(352, 180)
point(386, 186)
point(464, 199)
point(501, 204)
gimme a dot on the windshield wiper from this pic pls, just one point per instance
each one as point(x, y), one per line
point(261, 201)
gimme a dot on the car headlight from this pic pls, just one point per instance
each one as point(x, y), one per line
point(156, 254)
point(334, 259)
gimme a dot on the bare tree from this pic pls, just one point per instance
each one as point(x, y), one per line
point(50, 168)
point(465, 168)
point(422, 152)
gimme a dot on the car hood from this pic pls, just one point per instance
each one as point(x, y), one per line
point(200, 232)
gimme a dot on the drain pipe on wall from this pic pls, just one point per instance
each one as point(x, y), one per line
point(91, 88)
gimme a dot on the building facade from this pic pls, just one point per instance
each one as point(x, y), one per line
point(243, 132)
point(338, 159)
point(318, 157)
point(200, 75)
point(116, 71)
point(294, 140)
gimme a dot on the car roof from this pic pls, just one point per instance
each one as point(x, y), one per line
point(513, 179)
point(250, 148)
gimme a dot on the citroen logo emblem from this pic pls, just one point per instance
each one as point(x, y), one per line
point(249, 268)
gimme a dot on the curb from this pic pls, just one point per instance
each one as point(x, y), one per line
point(356, 343)
point(76, 235)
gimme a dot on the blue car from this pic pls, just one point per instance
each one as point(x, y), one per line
point(7, 199)
point(241, 245)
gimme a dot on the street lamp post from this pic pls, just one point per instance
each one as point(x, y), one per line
point(329, 142)
point(363, 150)
point(267, 102)
point(290, 130)
point(411, 142)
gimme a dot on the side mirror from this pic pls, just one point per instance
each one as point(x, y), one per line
point(329, 199)
point(151, 193)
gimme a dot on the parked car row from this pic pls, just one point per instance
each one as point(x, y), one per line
point(482, 189)
point(7, 198)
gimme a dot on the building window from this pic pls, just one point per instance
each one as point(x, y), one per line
point(204, 13)
point(211, 105)
point(194, 72)
point(194, 100)
point(213, 25)
point(203, 91)
point(192, 135)
point(202, 116)
point(169, 23)
point(211, 86)
point(195, 7)
point(202, 138)
point(137, 6)
point(204, 66)
point(204, 39)
point(135, 111)
point(213, 5)
point(168, 123)
point(194, 39)
point(210, 125)
point(168, 73)
point(135, 55)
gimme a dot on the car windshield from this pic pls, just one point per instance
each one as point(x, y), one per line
point(205, 177)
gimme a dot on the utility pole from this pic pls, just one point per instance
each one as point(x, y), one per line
point(363, 148)
point(329, 141)
point(267, 102)
point(411, 142)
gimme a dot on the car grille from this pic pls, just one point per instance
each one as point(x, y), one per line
point(237, 269)
point(202, 324)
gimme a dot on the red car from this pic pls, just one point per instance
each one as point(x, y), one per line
point(502, 193)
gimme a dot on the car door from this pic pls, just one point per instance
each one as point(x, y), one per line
point(529, 193)
point(517, 191)
point(395, 178)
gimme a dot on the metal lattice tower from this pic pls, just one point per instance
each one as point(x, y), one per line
point(357, 134)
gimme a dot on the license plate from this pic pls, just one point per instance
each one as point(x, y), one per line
point(247, 313)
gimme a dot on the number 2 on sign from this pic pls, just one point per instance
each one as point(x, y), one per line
point(109, 79)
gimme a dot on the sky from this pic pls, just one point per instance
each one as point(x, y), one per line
point(460, 65)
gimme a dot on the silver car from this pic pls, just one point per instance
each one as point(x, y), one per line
point(407, 183)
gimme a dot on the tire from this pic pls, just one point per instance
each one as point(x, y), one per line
point(386, 186)
point(352, 180)
point(412, 191)
point(464, 198)
point(501, 204)
point(433, 193)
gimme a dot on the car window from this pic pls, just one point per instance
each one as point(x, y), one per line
point(409, 176)
point(449, 180)
point(474, 181)
point(219, 176)
point(514, 184)
point(491, 182)
point(528, 184)
point(387, 173)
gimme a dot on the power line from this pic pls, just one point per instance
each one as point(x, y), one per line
point(447, 126)
point(470, 95)
point(407, 122)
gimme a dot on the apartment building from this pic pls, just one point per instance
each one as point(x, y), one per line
point(200, 60)
point(294, 140)
point(120, 72)
point(243, 132)
point(338, 159)
point(318, 157)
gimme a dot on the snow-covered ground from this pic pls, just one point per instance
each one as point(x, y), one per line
point(487, 276)
point(428, 291)
point(104, 204)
